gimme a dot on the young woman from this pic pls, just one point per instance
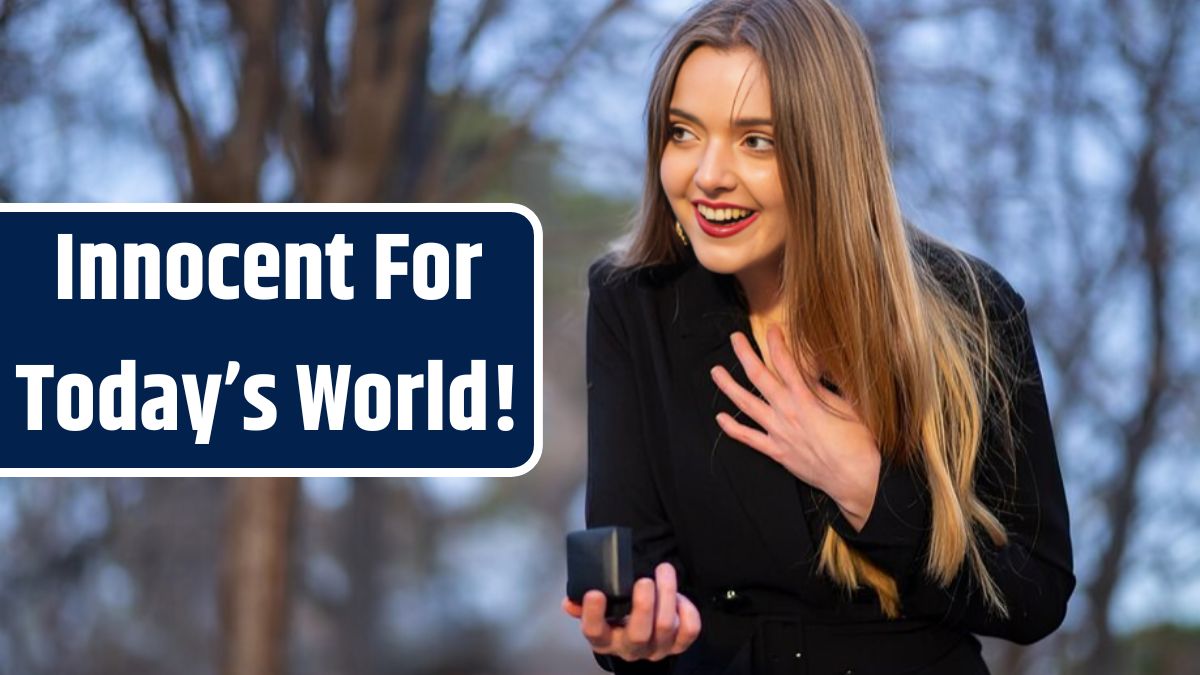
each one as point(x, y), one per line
point(826, 428)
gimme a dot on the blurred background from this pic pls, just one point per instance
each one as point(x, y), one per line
point(1055, 138)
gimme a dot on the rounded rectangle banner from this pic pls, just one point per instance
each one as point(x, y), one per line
point(207, 340)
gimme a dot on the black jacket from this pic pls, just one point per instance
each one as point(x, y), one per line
point(743, 533)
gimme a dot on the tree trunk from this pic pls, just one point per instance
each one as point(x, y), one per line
point(254, 584)
point(362, 536)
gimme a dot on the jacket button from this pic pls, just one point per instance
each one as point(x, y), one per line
point(731, 600)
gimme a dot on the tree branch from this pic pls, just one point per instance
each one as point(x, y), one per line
point(162, 70)
point(244, 149)
point(502, 148)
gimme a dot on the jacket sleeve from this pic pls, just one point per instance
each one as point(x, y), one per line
point(1034, 571)
point(621, 489)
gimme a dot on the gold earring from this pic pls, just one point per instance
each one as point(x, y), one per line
point(679, 231)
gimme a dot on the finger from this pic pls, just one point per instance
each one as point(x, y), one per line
point(572, 608)
point(744, 434)
point(802, 369)
point(762, 377)
point(689, 624)
point(784, 361)
point(835, 401)
point(640, 626)
point(665, 621)
point(815, 378)
point(747, 402)
point(594, 627)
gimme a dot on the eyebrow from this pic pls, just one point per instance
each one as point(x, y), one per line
point(739, 122)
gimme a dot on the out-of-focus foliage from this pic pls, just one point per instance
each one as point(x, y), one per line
point(1054, 138)
point(1058, 139)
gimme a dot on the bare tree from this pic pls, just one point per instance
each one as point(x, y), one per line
point(254, 581)
point(370, 128)
point(1059, 148)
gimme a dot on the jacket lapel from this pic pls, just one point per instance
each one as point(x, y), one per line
point(709, 311)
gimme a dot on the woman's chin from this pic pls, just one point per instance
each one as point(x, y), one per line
point(719, 262)
point(738, 260)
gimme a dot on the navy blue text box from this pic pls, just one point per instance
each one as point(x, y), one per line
point(499, 325)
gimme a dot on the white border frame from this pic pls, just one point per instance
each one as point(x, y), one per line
point(441, 207)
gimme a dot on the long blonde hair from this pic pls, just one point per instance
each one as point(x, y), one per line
point(919, 364)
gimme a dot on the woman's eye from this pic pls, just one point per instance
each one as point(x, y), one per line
point(760, 143)
point(679, 133)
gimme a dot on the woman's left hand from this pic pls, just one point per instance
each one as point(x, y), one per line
point(835, 453)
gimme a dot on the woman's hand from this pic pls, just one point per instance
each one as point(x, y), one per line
point(662, 622)
point(835, 453)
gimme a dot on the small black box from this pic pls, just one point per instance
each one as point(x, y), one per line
point(601, 558)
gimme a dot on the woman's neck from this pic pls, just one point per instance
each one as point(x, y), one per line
point(764, 296)
point(763, 288)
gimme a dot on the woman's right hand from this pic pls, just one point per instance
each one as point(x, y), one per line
point(662, 622)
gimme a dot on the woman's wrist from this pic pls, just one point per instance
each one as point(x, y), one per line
point(855, 497)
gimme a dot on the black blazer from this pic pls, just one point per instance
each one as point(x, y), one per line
point(743, 533)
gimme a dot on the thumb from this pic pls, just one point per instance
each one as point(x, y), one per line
point(571, 608)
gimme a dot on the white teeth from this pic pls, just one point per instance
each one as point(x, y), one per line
point(722, 215)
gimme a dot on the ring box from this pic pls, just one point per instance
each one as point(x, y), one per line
point(601, 558)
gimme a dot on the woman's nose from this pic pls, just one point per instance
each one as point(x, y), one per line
point(715, 174)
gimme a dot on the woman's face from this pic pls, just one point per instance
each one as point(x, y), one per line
point(719, 168)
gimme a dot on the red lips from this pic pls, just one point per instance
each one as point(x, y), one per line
point(722, 231)
point(721, 205)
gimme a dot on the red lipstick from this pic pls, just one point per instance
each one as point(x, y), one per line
point(722, 231)
point(721, 205)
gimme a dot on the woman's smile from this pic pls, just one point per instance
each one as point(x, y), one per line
point(723, 220)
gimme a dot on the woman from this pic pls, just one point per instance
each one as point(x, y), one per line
point(826, 429)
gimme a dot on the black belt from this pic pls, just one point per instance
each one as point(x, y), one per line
point(780, 604)
point(757, 601)
point(765, 607)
